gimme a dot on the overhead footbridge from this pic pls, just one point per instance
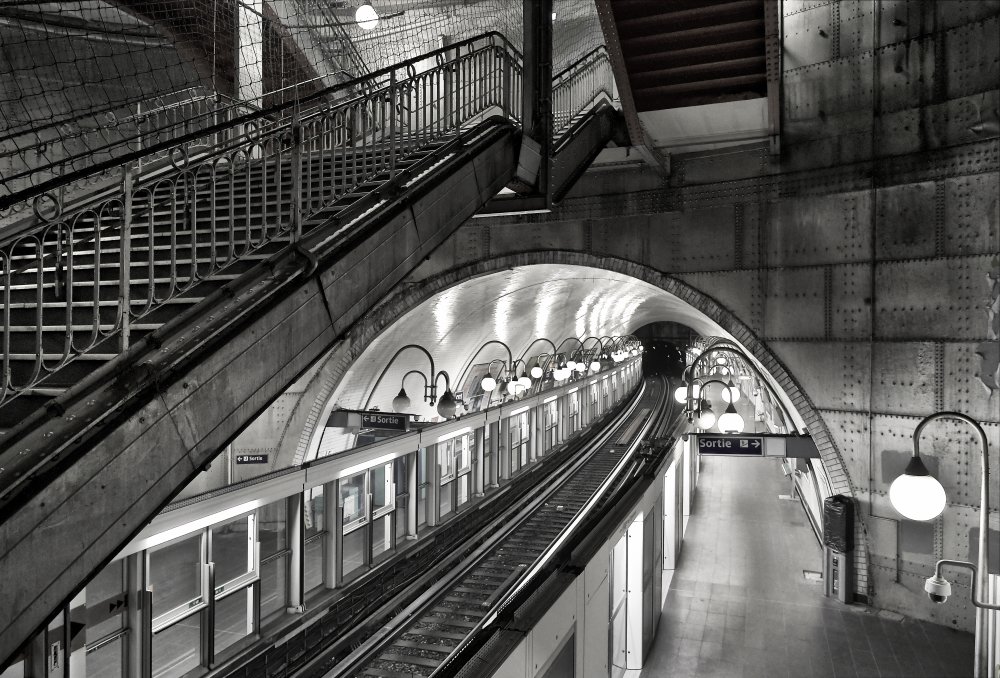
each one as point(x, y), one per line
point(146, 324)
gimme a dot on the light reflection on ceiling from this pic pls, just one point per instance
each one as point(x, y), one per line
point(515, 306)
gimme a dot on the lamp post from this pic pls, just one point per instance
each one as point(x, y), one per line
point(729, 422)
point(919, 496)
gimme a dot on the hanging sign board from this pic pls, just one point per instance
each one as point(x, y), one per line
point(385, 420)
point(759, 445)
point(251, 458)
point(731, 445)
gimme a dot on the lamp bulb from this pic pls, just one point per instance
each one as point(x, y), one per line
point(366, 17)
point(489, 383)
point(401, 402)
point(536, 372)
point(917, 497)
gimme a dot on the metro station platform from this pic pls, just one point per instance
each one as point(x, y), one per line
point(740, 605)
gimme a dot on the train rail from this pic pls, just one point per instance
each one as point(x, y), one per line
point(433, 630)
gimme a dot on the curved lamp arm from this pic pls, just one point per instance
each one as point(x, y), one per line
point(703, 383)
point(472, 360)
point(431, 396)
point(559, 348)
point(535, 341)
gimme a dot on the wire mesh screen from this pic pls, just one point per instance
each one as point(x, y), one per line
point(85, 81)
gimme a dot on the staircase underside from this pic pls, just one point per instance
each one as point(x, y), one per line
point(119, 445)
point(690, 52)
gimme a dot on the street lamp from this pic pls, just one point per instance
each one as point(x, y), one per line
point(919, 496)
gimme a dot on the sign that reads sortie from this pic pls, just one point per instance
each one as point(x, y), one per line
point(731, 445)
point(251, 458)
point(384, 420)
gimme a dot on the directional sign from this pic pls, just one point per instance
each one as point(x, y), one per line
point(251, 458)
point(731, 445)
point(385, 420)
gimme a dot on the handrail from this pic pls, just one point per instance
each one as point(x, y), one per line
point(34, 191)
point(72, 282)
point(597, 51)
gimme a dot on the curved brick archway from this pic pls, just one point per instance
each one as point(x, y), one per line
point(318, 396)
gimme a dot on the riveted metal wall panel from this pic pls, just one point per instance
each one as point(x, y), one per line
point(705, 238)
point(906, 74)
point(902, 20)
point(849, 299)
point(819, 230)
point(906, 223)
point(972, 58)
point(562, 235)
point(823, 90)
point(716, 166)
point(806, 36)
point(904, 378)
point(663, 241)
point(795, 304)
point(622, 238)
point(856, 27)
point(748, 217)
point(738, 291)
point(850, 431)
point(938, 126)
point(964, 390)
point(930, 298)
point(959, 12)
point(972, 214)
point(833, 374)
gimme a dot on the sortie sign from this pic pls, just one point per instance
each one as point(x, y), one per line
point(384, 420)
point(251, 458)
point(731, 445)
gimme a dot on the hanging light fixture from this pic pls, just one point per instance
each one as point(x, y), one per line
point(731, 421)
point(525, 382)
point(595, 366)
point(447, 405)
point(916, 493)
point(536, 372)
point(366, 17)
point(488, 383)
point(731, 394)
point(706, 419)
point(401, 402)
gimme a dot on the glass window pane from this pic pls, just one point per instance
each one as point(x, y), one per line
point(382, 535)
point(106, 661)
point(272, 528)
point(463, 489)
point(381, 484)
point(353, 497)
point(354, 551)
point(105, 595)
point(177, 648)
point(233, 619)
point(232, 549)
point(175, 574)
point(313, 565)
point(446, 459)
point(273, 587)
point(446, 503)
point(422, 506)
point(314, 511)
point(464, 458)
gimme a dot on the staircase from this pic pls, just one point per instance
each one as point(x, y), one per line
point(142, 330)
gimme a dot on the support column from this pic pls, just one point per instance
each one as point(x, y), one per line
point(333, 528)
point(295, 545)
point(502, 451)
point(413, 492)
point(536, 99)
point(433, 475)
point(493, 471)
point(478, 477)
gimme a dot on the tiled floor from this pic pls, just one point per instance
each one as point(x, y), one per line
point(740, 606)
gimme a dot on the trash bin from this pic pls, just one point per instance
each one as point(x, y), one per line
point(838, 523)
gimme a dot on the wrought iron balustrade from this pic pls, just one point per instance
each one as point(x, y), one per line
point(89, 277)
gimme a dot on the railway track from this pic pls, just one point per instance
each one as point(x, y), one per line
point(434, 627)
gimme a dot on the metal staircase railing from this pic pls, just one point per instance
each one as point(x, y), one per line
point(89, 278)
